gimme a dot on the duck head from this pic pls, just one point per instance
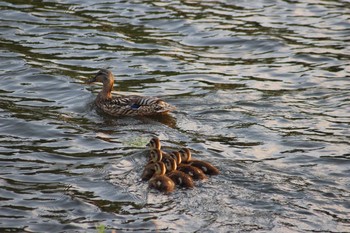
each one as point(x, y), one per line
point(107, 78)
point(176, 156)
point(185, 154)
point(103, 75)
point(155, 155)
point(170, 164)
point(159, 168)
point(154, 143)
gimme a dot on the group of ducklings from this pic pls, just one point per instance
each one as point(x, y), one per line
point(164, 170)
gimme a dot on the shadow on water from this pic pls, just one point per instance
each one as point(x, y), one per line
point(261, 91)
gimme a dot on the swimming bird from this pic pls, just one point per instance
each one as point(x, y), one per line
point(194, 172)
point(176, 156)
point(132, 105)
point(149, 170)
point(154, 143)
point(155, 155)
point(159, 180)
point(206, 167)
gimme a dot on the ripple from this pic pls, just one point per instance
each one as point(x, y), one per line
point(261, 91)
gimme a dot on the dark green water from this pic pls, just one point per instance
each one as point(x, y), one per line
point(262, 90)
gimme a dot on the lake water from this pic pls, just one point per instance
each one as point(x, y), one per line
point(261, 88)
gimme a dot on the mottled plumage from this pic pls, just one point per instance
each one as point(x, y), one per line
point(132, 105)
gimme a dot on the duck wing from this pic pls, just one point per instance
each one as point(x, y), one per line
point(135, 106)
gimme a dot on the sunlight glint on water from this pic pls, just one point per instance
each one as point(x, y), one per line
point(261, 89)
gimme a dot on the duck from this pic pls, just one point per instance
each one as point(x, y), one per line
point(159, 180)
point(154, 143)
point(148, 171)
point(155, 155)
point(180, 178)
point(176, 156)
point(206, 167)
point(194, 172)
point(132, 105)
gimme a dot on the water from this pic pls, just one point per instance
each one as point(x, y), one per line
point(262, 91)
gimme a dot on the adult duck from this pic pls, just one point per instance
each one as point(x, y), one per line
point(132, 105)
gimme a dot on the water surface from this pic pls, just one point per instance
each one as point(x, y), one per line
point(262, 91)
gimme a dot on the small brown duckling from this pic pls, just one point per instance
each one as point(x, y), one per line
point(155, 156)
point(154, 143)
point(180, 178)
point(159, 180)
point(194, 172)
point(148, 171)
point(206, 167)
point(176, 156)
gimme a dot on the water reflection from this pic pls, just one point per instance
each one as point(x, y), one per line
point(261, 91)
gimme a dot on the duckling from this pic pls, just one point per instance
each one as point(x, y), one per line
point(176, 156)
point(154, 143)
point(156, 155)
point(180, 178)
point(159, 180)
point(206, 167)
point(148, 171)
point(194, 172)
point(132, 105)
